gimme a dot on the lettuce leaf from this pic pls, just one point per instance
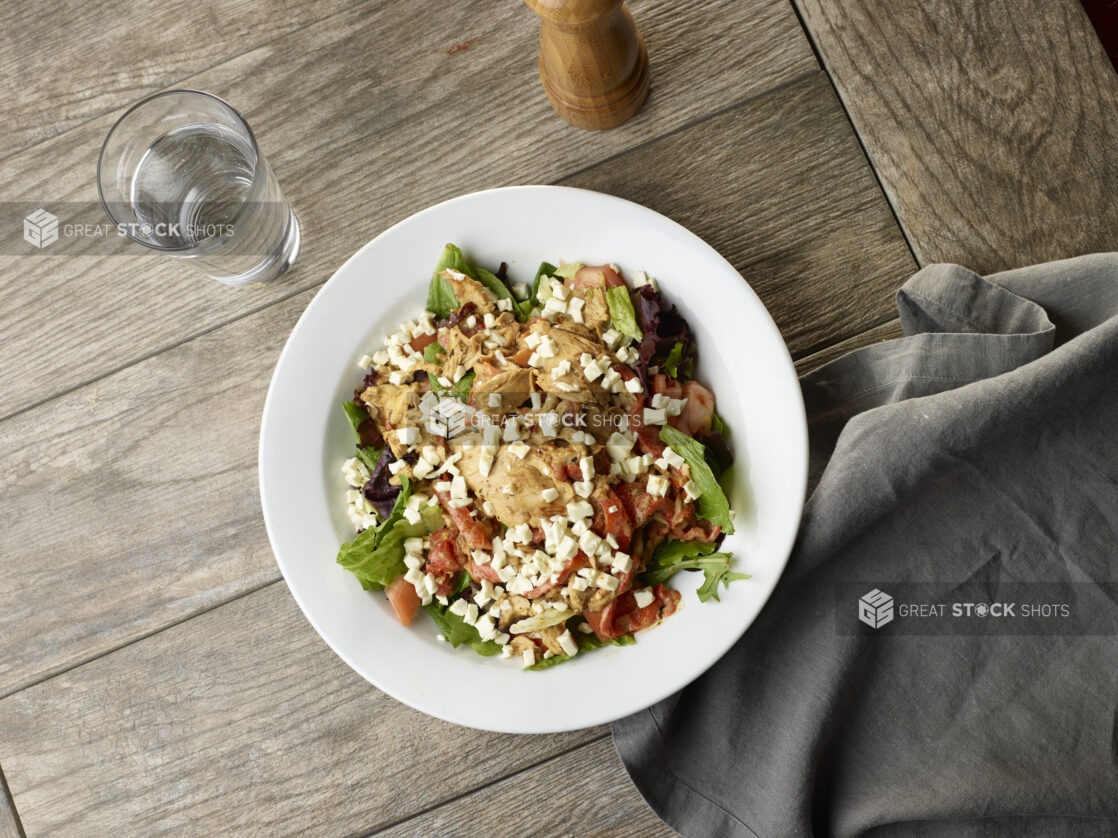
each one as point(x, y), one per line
point(457, 631)
point(711, 503)
point(586, 643)
point(503, 292)
point(692, 555)
point(621, 314)
point(459, 390)
point(376, 556)
point(440, 296)
point(677, 364)
point(567, 271)
point(433, 352)
point(356, 415)
point(545, 269)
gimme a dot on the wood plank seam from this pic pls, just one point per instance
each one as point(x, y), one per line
point(826, 69)
point(487, 784)
point(178, 81)
point(8, 804)
point(78, 664)
point(304, 288)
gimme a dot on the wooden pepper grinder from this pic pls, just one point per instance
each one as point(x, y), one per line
point(593, 62)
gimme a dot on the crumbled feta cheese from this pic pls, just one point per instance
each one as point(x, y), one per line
point(504, 304)
point(589, 542)
point(355, 472)
point(622, 562)
point(654, 417)
point(458, 488)
point(633, 385)
point(489, 320)
point(586, 466)
point(512, 430)
point(380, 358)
point(487, 508)
point(583, 488)
point(610, 337)
point(607, 582)
point(559, 290)
point(675, 406)
point(659, 400)
point(568, 643)
point(470, 617)
point(520, 290)
point(672, 458)
point(554, 306)
point(619, 445)
point(549, 494)
point(566, 549)
point(691, 490)
point(529, 657)
point(485, 461)
point(643, 598)
point(579, 509)
point(592, 371)
point(574, 309)
point(519, 450)
point(547, 347)
point(657, 486)
point(408, 436)
point(458, 607)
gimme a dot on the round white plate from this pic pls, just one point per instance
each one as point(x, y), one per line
point(304, 438)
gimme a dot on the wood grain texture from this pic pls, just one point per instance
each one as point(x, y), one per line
point(182, 531)
point(10, 826)
point(993, 124)
point(66, 63)
point(240, 721)
point(588, 795)
point(886, 331)
point(365, 119)
point(142, 491)
point(780, 187)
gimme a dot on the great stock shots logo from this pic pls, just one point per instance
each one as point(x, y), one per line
point(40, 228)
point(875, 609)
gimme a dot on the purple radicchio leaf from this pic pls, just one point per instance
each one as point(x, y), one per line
point(377, 490)
point(663, 327)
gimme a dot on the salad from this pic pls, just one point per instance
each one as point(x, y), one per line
point(535, 462)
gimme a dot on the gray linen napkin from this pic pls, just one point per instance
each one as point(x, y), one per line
point(974, 460)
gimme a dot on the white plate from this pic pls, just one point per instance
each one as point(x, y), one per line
point(304, 438)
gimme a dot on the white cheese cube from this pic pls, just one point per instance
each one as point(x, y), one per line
point(583, 488)
point(579, 509)
point(657, 486)
point(622, 562)
point(459, 607)
point(643, 598)
point(654, 417)
point(568, 643)
point(586, 466)
point(408, 436)
point(610, 337)
point(519, 450)
point(458, 488)
point(633, 385)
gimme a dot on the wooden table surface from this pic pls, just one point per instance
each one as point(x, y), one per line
point(155, 674)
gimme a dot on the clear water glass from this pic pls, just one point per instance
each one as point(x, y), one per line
point(180, 172)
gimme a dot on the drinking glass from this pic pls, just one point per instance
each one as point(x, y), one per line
point(180, 173)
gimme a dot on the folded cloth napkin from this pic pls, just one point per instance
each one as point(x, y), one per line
point(974, 460)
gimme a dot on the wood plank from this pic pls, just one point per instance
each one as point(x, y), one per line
point(153, 510)
point(781, 188)
point(886, 331)
point(993, 125)
point(363, 127)
point(164, 498)
point(10, 826)
point(238, 720)
point(66, 63)
point(587, 793)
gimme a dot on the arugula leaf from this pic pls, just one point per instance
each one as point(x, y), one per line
point(586, 643)
point(433, 352)
point(376, 556)
point(675, 363)
point(545, 269)
point(621, 314)
point(356, 415)
point(460, 390)
point(692, 555)
point(457, 631)
point(711, 503)
point(440, 295)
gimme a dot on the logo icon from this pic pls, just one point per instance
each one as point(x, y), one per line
point(875, 609)
point(40, 228)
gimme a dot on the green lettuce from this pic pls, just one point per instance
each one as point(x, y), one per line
point(545, 269)
point(675, 363)
point(621, 314)
point(440, 294)
point(519, 309)
point(692, 555)
point(585, 643)
point(376, 556)
point(356, 415)
point(711, 503)
point(459, 390)
point(457, 631)
point(567, 271)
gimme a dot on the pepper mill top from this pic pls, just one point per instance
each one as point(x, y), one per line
point(593, 62)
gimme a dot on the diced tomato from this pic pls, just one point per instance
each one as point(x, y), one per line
point(648, 436)
point(638, 503)
point(697, 413)
point(595, 276)
point(579, 561)
point(405, 601)
point(666, 386)
point(475, 533)
point(612, 519)
point(418, 343)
